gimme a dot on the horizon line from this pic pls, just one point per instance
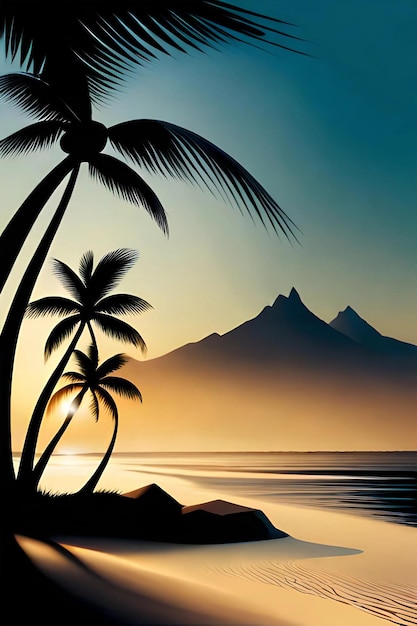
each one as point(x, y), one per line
point(148, 452)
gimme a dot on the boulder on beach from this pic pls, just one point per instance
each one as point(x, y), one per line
point(154, 501)
point(219, 521)
point(163, 518)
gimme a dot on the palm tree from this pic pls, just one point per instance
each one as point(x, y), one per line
point(91, 304)
point(157, 146)
point(91, 45)
point(94, 378)
point(84, 48)
point(104, 40)
point(160, 147)
point(81, 139)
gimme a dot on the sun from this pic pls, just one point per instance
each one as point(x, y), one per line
point(67, 408)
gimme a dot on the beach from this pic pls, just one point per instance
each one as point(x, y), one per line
point(333, 568)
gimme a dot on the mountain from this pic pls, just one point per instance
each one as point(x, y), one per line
point(284, 380)
point(352, 325)
point(288, 336)
point(289, 332)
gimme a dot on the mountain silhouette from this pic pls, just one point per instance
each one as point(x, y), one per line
point(288, 331)
point(352, 325)
point(288, 336)
point(283, 380)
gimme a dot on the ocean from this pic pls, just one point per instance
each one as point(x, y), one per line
point(374, 484)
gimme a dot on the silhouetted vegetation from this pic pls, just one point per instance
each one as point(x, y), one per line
point(94, 379)
point(76, 54)
point(92, 304)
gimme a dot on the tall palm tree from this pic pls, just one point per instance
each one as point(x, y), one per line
point(104, 40)
point(157, 146)
point(160, 147)
point(92, 44)
point(116, 175)
point(81, 139)
point(92, 304)
point(96, 379)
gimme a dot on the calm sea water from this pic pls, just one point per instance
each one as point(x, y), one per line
point(378, 484)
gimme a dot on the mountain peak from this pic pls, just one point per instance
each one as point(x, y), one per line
point(354, 326)
point(349, 311)
point(294, 295)
point(349, 317)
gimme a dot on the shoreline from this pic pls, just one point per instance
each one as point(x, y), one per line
point(380, 485)
point(277, 582)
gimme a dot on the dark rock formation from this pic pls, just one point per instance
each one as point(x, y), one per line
point(148, 513)
point(219, 521)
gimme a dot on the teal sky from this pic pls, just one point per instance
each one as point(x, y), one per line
point(333, 138)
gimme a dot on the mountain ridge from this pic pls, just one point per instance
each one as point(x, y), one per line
point(354, 326)
point(284, 379)
point(288, 331)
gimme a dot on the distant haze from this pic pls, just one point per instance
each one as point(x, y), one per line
point(285, 380)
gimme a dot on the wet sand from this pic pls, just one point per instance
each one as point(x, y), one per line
point(334, 568)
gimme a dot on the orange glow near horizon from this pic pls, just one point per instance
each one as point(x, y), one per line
point(244, 414)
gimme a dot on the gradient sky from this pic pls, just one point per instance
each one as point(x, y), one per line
point(333, 138)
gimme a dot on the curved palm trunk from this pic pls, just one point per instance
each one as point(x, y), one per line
point(92, 482)
point(47, 453)
point(29, 449)
point(19, 227)
point(24, 476)
point(11, 329)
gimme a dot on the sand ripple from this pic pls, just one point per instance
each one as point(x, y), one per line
point(394, 603)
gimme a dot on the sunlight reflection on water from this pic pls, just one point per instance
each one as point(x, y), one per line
point(373, 484)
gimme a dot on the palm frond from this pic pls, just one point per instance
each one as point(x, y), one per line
point(198, 24)
point(74, 377)
point(92, 354)
point(67, 75)
point(119, 330)
point(87, 363)
point(122, 304)
point(86, 266)
point(121, 180)
point(61, 395)
point(121, 386)
point(84, 363)
point(69, 279)
point(107, 401)
point(34, 96)
point(31, 138)
point(110, 270)
point(112, 364)
point(165, 148)
point(61, 332)
point(110, 38)
point(52, 305)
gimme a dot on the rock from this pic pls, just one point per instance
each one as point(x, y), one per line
point(219, 521)
point(148, 513)
point(153, 501)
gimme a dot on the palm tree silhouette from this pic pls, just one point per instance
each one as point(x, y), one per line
point(102, 41)
point(93, 378)
point(157, 146)
point(92, 45)
point(160, 147)
point(92, 304)
point(82, 139)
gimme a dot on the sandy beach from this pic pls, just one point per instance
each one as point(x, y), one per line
point(334, 568)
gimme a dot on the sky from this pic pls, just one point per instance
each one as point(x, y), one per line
point(332, 137)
